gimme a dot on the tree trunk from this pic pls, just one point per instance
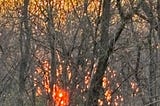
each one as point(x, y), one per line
point(158, 12)
point(51, 39)
point(152, 71)
point(96, 89)
point(25, 34)
point(152, 67)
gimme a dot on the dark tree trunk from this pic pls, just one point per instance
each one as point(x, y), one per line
point(152, 71)
point(96, 89)
point(152, 68)
point(25, 34)
point(158, 12)
point(51, 39)
point(107, 45)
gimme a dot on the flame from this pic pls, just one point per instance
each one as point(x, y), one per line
point(60, 96)
point(105, 82)
point(108, 95)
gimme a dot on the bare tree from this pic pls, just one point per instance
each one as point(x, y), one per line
point(96, 82)
point(101, 53)
point(25, 35)
point(51, 39)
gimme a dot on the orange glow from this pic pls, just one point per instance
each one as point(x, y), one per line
point(62, 8)
point(60, 96)
point(100, 102)
point(108, 95)
point(105, 82)
point(69, 73)
point(38, 92)
point(134, 87)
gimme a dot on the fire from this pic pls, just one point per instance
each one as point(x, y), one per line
point(108, 95)
point(60, 96)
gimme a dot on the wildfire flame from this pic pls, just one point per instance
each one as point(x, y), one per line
point(60, 96)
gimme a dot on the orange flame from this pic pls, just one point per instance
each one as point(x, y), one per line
point(108, 95)
point(60, 96)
